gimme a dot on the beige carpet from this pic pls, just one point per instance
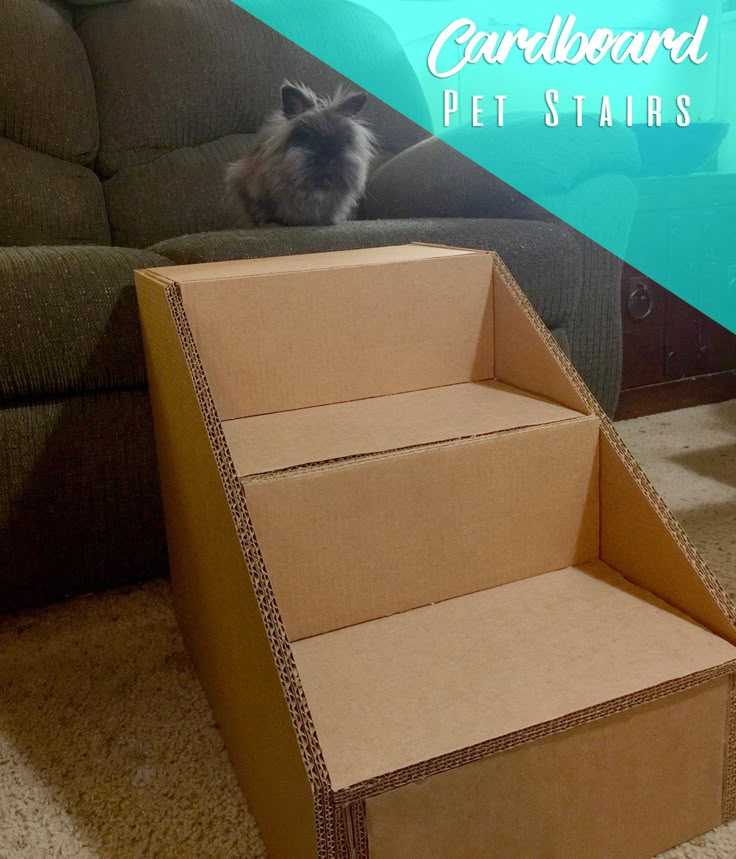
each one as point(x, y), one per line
point(108, 749)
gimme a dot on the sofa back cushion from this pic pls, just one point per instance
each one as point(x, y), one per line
point(181, 85)
point(48, 131)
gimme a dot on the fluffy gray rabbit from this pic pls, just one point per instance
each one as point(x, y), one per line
point(308, 163)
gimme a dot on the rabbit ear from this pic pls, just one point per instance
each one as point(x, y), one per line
point(295, 100)
point(351, 103)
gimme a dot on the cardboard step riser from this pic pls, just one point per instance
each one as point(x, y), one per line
point(625, 787)
point(462, 517)
point(274, 344)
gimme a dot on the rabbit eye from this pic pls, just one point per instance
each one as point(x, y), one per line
point(303, 138)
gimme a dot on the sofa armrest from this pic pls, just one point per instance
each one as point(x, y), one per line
point(595, 328)
point(433, 179)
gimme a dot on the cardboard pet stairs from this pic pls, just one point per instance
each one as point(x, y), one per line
point(437, 608)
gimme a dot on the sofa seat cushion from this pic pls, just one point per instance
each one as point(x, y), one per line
point(70, 320)
point(544, 257)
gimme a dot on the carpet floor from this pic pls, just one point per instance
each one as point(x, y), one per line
point(109, 751)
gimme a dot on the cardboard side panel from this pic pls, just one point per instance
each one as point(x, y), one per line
point(625, 787)
point(215, 602)
point(638, 538)
point(366, 538)
point(525, 354)
point(292, 341)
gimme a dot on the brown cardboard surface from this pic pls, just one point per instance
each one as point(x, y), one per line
point(360, 539)
point(626, 787)
point(403, 689)
point(286, 439)
point(236, 663)
point(206, 271)
point(522, 357)
point(278, 342)
point(409, 538)
point(636, 540)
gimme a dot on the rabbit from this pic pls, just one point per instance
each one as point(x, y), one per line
point(309, 161)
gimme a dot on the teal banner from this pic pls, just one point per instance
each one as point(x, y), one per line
point(619, 118)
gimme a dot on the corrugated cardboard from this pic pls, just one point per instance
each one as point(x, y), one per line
point(286, 439)
point(611, 789)
point(207, 568)
point(370, 686)
point(290, 340)
point(338, 554)
point(437, 608)
point(640, 537)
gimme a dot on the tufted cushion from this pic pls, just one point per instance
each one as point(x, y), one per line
point(180, 192)
point(70, 320)
point(175, 73)
point(48, 98)
point(544, 257)
point(434, 180)
point(47, 201)
point(48, 130)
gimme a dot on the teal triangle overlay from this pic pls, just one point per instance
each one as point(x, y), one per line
point(684, 225)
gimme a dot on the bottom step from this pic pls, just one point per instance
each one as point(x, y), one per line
point(411, 687)
point(521, 722)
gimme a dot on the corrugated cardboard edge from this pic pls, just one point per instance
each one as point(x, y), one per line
point(729, 769)
point(461, 757)
point(408, 450)
point(331, 838)
point(353, 828)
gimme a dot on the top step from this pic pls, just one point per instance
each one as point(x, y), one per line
point(299, 332)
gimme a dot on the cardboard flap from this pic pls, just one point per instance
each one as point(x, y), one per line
point(205, 272)
point(637, 539)
point(523, 356)
point(625, 787)
point(287, 439)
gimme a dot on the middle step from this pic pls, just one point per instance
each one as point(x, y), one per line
point(374, 507)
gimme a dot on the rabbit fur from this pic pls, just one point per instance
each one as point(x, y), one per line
point(308, 164)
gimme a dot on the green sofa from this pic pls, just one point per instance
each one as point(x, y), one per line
point(117, 121)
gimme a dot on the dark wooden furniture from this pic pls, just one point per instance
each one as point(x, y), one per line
point(674, 356)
